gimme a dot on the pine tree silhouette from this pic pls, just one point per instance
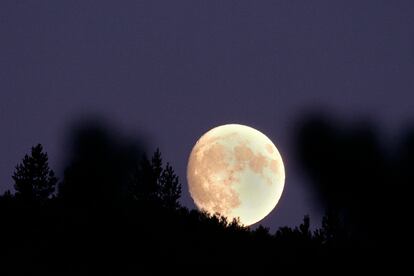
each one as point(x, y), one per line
point(332, 233)
point(170, 188)
point(153, 183)
point(304, 227)
point(144, 184)
point(33, 178)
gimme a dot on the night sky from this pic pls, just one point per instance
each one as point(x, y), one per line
point(171, 70)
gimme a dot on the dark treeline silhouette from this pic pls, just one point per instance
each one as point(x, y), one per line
point(362, 182)
point(117, 210)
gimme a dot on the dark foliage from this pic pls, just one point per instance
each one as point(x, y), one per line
point(33, 179)
point(118, 211)
point(361, 183)
point(154, 184)
point(99, 168)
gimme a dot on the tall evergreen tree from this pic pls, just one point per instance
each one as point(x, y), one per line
point(170, 187)
point(144, 185)
point(154, 183)
point(33, 179)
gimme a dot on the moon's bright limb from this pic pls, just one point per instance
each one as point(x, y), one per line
point(236, 171)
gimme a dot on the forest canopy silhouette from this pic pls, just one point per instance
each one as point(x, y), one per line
point(117, 208)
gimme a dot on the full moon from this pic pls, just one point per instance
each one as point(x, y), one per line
point(237, 172)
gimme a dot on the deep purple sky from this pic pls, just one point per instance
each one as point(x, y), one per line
point(174, 69)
